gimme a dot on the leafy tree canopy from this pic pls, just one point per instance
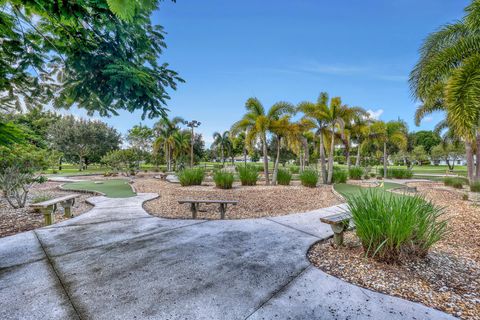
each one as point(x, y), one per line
point(100, 55)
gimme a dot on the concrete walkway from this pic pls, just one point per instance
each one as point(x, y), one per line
point(118, 262)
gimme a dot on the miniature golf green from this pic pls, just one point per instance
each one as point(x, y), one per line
point(115, 188)
point(347, 190)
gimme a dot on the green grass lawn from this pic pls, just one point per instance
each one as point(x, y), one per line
point(115, 188)
point(348, 190)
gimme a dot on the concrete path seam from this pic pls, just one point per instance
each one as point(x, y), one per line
point(50, 262)
point(13, 266)
point(279, 290)
point(94, 223)
point(290, 227)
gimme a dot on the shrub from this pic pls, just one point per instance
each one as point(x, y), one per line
point(248, 175)
point(475, 186)
point(309, 178)
point(339, 175)
point(191, 176)
point(464, 197)
point(372, 174)
point(355, 173)
point(125, 161)
point(284, 177)
point(294, 169)
point(223, 180)
point(392, 227)
point(399, 173)
point(455, 182)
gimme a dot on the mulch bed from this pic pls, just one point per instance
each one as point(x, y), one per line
point(253, 201)
point(13, 221)
point(448, 279)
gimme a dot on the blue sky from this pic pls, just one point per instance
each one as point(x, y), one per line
point(283, 50)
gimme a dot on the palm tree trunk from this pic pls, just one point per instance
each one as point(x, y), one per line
point(469, 155)
point(245, 155)
point(223, 156)
point(348, 155)
point(265, 160)
point(330, 157)
point(385, 160)
point(322, 160)
point(477, 157)
point(357, 161)
point(277, 159)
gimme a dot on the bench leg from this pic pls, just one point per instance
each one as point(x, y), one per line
point(338, 230)
point(223, 208)
point(193, 209)
point(67, 207)
point(49, 215)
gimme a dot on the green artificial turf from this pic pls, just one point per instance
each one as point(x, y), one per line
point(115, 188)
point(347, 190)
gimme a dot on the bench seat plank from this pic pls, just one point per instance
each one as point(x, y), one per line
point(337, 218)
point(208, 201)
point(51, 202)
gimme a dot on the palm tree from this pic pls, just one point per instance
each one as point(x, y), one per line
point(282, 129)
point(356, 123)
point(181, 147)
point(257, 123)
point(392, 132)
point(164, 131)
point(315, 112)
point(222, 141)
point(447, 77)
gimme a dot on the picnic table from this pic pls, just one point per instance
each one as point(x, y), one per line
point(49, 207)
point(195, 203)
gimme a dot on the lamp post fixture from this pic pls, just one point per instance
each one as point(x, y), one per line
point(192, 124)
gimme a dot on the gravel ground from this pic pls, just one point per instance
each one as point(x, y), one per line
point(448, 279)
point(18, 220)
point(253, 201)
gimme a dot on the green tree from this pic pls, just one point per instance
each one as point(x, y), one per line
point(446, 77)
point(257, 123)
point(165, 130)
point(222, 142)
point(99, 55)
point(85, 141)
point(382, 134)
point(427, 139)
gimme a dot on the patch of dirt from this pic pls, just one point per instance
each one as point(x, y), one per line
point(253, 201)
point(448, 279)
point(13, 221)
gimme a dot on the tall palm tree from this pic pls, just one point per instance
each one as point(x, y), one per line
point(315, 112)
point(257, 122)
point(447, 77)
point(356, 123)
point(222, 141)
point(181, 146)
point(392, 132)
point(282, 129)
point(164, 131)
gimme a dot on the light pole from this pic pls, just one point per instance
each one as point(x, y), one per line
point(192, 124)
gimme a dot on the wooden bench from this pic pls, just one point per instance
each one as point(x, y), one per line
point(339, 222)
point(49, 207)
point(194, 204)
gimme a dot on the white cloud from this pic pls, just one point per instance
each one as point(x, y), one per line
point(375, 114)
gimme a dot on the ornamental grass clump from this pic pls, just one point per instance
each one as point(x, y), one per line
point(284, 177)
point(454, 182)
point(248, 174)
point(355, 173)
point(309, 178)
point(191, 177)
point(223, 180)
point(394, 228)
point(339, 175)
point(475, 186)
point(399, 173)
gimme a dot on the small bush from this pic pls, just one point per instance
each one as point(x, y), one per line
point(339, 175)
point(454, 182)
point(372, 174)
point(464, 197)
point(191, 177)
point(355, 173)
point(309, 178)
point(223, 180)
point(284, 177)
point(294, 169)
point(475, 186)
point(248, 175)
point(392, 228)
point(399, 173)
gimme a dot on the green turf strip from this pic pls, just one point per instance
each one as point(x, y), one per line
point(115, 188)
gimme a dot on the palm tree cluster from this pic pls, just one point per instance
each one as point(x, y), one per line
point(447, 78)
point(325, 124)
point(172, 141)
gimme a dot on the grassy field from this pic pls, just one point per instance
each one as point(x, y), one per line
point(116, 188)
